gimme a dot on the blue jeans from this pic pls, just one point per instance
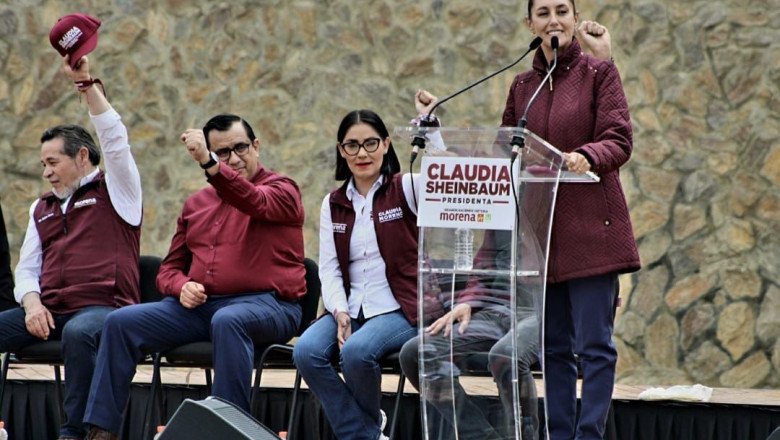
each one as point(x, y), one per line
point(234, 324)
point(352, 404)
point(579, 317)
point(80, 335)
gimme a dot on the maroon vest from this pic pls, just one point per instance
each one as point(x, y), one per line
point(90, 254)
point(396, 234)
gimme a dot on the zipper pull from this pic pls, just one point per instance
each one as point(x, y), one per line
point(551, 83)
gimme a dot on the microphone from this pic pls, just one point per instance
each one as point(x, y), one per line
point(418, 141)
point(518, 140)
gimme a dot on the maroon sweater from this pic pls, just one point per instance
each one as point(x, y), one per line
point(239, 236)
point(585, 112)
point(90, 254)
point(396, 233)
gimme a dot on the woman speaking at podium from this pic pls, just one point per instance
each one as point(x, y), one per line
point(583, 112)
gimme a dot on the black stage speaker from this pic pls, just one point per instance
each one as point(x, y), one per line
point(214, 418)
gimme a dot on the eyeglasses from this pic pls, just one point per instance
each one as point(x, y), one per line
point(224, 153)
point(353, 147)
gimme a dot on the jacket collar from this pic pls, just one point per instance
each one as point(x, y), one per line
point(85, 182)
point(260, 174)
point(343, 195)
point(568, 58)
point(352, 189)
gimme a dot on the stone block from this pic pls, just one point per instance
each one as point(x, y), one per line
point(688, 290)
point(661, 342)
point(768, 322)
point(706, 363)
point(697, 322)
point(736, 329)
point(749, 373)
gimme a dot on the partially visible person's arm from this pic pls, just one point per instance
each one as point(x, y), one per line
point(334, 298)
point(172, 275)
point(28, 270)
point(612, 134)
point(122, 177)
point(173, 278)
point(6, 276)
point(277, 201)
point(38, 319)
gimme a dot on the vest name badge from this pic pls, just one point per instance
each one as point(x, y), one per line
point(85, 202)
point(46, 217)
point(340, 228)
point(391, 214)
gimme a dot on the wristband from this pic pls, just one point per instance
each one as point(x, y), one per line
point(83, 86)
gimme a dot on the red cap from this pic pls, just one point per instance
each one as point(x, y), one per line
point(75, 34)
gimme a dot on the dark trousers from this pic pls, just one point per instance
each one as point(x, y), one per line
point(234, 324)
point(579, 317)
point(489, 334)
point(80, 335)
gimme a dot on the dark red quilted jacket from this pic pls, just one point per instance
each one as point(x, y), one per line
point(586, 111)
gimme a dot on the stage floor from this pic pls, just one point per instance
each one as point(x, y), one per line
point(731, 414)
point(476, 386)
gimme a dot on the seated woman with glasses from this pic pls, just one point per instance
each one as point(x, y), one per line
point(368, 269)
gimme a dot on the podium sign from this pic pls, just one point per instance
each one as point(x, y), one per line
point(458, 192)
point(503, 291)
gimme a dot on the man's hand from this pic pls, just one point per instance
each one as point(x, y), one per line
point(344, 329)
point(192, 294)
point(195, 141)
point(461, 313)
point(596, 39)
point(37, 317)
point(424, 102)
point(80, 73)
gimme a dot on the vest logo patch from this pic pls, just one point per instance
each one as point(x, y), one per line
point(340, 228)
point(46, 217)
point(391, 214)
point(85, 202)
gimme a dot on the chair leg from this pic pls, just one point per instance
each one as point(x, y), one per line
point(58, 391)
point(6, 361)
point(208, 379)
point(398, 395)
point(154, 391)
point(253, 396)
point(293, 405)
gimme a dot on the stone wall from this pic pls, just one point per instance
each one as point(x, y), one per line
point(701, 77)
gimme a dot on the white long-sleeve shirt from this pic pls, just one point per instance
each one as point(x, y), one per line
point(369, 287)
point(124, 188)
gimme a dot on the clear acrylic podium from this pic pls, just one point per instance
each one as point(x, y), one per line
point(498, 352)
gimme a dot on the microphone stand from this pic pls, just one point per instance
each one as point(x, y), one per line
point(418, 140)
point(518, 140)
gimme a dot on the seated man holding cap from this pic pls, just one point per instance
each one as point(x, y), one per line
point(79, 258)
